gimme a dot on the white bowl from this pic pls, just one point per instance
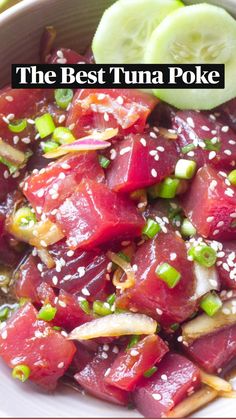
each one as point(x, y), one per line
point(20, 31)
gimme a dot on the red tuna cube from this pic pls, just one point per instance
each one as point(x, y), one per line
point(110, 108)
point(91, 378)
point(74, 272)
point(150, 294)
point(130, 365)
point(141, 161)
point(210, 204)
point(94, 215)
point(175, 379)
point(48, 189)
point(32, 342)
point(212, 142)
point(214, 352)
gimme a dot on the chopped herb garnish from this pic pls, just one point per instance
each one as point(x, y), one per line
point(150, 372)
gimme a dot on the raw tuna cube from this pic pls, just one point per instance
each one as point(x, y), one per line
point(213, 352)
point(175, 379)
point(211, 205)
point(130, 365)
point(110, 108)
point(23, 102)
point(91, 378)
point(69, 313)
point(226, 264)
point(141, 161)
point(26, 340)
point(150, 294)
point(94, 215)
point(48, 189)
point(196, 127)
point(74, 272)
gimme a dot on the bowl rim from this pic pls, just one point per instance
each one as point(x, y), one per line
point(20, 8)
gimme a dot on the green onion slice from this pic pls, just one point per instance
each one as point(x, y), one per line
point(211, 303)
point(212, 146)
point(21, 372)
point(151, 228)
point(232, 177)
point(45, 125)
point(187, 148)
point(185, 169)
point(150, 372)
point(49, 146)
point(63, 135)
point(47, 313)
point(104, 161)
point(133, 341)
point(203, 254)
point(63, 97)
point(101, 309)
point(85, 306)
point(187, 229)
point(18, 125)
point(168, 274)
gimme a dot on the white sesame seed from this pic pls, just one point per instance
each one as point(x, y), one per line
point(107, 372)
point(101, 96)
point(212, 155)
point(180, 338)
point(9, 98)
point(154, 173)
point(225, 128)
point(159, 311)
point(115, 350)
point(205, 128)
point(153, 135)
point(143, 142)
point(209, 219)
point(190, 122)
point(61, 365)
point(61, 60)
point(81, 271)
point(54, 280)
point(173, 256)
point(164, 377)
point(70, 253)
point(228, 152)
point(160, 148)
point(133, 352)
point(4, 334)
point(113, 154)
point(156, 396)
point(104, 355)
point(62, 303)
point(85, 291)
point(106, 117)
point(125, 150)
point(61, 118)
point(106, 347)
point(120, 100)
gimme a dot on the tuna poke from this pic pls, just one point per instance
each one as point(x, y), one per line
point(118, 228)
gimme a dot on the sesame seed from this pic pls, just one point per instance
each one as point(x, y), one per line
point(61, 60)
point(61, 119)
point(164, 377)
point(104, 355)
point(154, 173)
point(113, 154)
point(153, 152)
point(228, 152)
point(153, 135)
point(220, 224)
point(106, 117)
point(81, 271)
point(61, 365)
point(156, 396)
point(70, 253)
point(156, 157)
point(106, 347)
point(54, 280)
point(62, 303)
point(133, 352)
point(115, 350)
point(209, 219)
point(125, 150)
point(10, 116)
point(191, 154)
point(173, 256)
point(4, 334)
point(107, 372)
point(180, 339)
point(9, 98)
point(205, 128)
point(85, 291)
point(225, 128)
point(143, 142)
point(101, 96)
point(212, 155)
point(232, 142)
point(159, 311)
point(215, 232)
point(160, 148)
point(120, 100)
point(190, 122)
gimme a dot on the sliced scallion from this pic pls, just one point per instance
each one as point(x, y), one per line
point(203, 254)
point(63, 97)
point(101, 309)
point(211, 303)
point(151, 228)
point(133, 341)
point(232, 177)
point(85, 306)
point(185, 169)
point(47, 313)
point(4, 312)
point(104, 161)
point(49, 146)
point(63, 135)
point(168, 274)
point(150, 372)
point(18, 125)
point(187, 229)
point(187, 148)
point(21, 372)
point(45, 125)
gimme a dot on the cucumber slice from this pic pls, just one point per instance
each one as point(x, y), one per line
point(196, 34)
point(126, 27)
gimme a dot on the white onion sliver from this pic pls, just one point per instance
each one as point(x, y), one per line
point(119, 324)
point(207, 279)
point(205, 325)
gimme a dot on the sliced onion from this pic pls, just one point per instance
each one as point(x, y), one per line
point(194, 402)
point(204, 325)
point(46, 258)
point(46, 43)
point(11, 154)
point(228, 394)
point(120, 324)
point(215, 382)
point(45, 233)
point(207, 279)
point(126, 267)
point(95, 141)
